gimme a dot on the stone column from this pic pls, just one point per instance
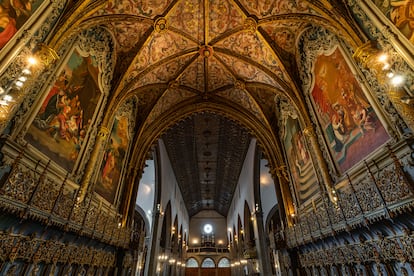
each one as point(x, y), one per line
point(153, 247)
point(261, 243)
point(287, 201)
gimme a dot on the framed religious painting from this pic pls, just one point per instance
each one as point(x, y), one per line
point(60, 127)
point(349, 122)
point(299, 159)
point(13, 16)
point(400, 13)
point(115, 154)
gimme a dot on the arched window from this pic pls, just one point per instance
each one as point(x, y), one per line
point(208, 262)
point(224, 262)
point(191, 263)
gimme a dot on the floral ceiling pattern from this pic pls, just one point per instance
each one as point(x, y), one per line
point(176, 53)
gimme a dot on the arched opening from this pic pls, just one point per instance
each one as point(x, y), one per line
point(223, 262)
point(191, 263)
point(208, 263)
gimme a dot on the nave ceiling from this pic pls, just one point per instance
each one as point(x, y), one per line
point(195, 55)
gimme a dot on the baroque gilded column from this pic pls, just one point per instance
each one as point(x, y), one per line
point(311, 134)
point(282, 174)
point(98, 148)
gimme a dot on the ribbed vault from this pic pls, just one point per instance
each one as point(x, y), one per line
point(171, 53)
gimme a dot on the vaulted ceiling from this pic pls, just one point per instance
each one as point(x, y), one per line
point(180, 54)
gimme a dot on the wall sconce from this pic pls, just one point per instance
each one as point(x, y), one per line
point(30, 66)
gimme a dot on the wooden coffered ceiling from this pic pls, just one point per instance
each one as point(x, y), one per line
point(178, 54)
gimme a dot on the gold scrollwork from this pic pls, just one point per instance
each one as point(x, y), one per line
point(309, 131)
point(46, 54)
point(282, 172)
point(250, 25)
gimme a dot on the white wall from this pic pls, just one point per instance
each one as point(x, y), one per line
point(170, 191)
point(267, 190)
point(244, 190)
point(146, 191)
point(216, 220)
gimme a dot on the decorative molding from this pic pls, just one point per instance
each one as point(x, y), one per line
point(16, 247)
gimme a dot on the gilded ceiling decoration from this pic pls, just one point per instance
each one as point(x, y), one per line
point(182, 54)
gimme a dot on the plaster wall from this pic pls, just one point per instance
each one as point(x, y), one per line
point(267, 190)
point(244, 191)
point(216, 220)
point(170, 192)
point(146, 191)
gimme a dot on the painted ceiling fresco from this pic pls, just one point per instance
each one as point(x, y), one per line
point(207, 45)
point(236, 52)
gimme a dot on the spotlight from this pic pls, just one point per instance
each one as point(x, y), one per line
point(32, 60)
point(397, 80)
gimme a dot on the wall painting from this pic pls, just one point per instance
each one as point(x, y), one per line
point(13, 15)
point(60, 126)
point(300, 163)
point(113, 160)
point(401, 13)
point(350, 124)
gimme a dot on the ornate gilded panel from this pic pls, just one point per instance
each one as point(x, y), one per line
point(223, 16)
point(14, 15)
point(248, 72)
point(116, 151)
point(298, 155)
point(60, 126)
point(349, 122)
point(251, 45)
point(400, 13)
point(268, 8)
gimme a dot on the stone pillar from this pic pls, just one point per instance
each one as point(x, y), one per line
point(261, 243)
point(153, 247)
point(288, 203)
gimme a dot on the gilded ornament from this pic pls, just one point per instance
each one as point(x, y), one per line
point(239, 84)
point(206, 51)
point(161, 25)
point(250, 25)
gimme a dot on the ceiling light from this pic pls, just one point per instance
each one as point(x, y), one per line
point(19, 83)
point(26, 71)
point(8, 98)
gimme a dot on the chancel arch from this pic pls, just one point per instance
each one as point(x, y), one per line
point(279, 135)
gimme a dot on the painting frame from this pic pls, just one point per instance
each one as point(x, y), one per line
point(395, 15)
point(362, 109)
point(298, 155)
point(88, 135)
point(30, 23)
point(114, 147)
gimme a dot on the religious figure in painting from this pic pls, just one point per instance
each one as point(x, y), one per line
point(300, 163)
point(351, 125)
point(114, 155)
point(62, 122)
point(401, 13)
point(13, 15)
